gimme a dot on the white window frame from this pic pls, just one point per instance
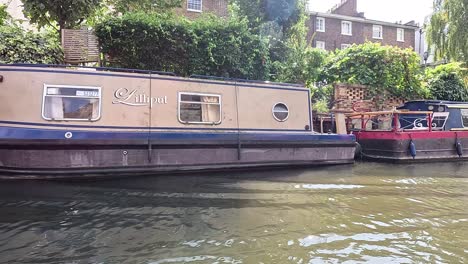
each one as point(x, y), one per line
point(345, 46)
point(402, 30)
point(350, 28)
point(280, 111)
point(317, 24)
point(44, 95)
point(321, 46)
point(380, 29)
point(195, 10)
point(191, 102)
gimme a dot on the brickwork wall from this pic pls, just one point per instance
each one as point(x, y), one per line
point(361, 32)
point(353, 97)
point(216, 7)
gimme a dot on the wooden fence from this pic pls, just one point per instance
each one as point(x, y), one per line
point(80, 46)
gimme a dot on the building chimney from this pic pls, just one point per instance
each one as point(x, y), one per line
point(346, 8)
point(410, 23)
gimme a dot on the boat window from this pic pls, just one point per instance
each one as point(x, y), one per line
point(280, 112)
point(439, 120)
point(74, 103)
point(199, 108)
point(464, 115)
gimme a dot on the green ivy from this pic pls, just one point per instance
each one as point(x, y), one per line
point(384, 69)
point(21, 46)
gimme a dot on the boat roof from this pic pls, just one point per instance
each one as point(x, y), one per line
point(438, 102)
point(126, 70)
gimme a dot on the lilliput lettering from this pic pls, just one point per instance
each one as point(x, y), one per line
point(133, 98)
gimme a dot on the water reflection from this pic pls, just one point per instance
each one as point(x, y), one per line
point(369, 212)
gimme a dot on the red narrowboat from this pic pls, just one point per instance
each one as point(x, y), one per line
point(417, 131)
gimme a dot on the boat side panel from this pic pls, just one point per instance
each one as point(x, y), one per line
point(22, 94)
point(256, 105)
point(166, 115)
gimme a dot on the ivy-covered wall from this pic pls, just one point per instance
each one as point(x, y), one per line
point(381, 68)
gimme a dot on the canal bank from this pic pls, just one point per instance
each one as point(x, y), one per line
point(369, 212)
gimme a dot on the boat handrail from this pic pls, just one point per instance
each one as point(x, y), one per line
point(210, 77)
point(114, 69)
point(127, 70)
point(375, 113)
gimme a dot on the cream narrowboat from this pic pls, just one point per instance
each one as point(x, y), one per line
point(85, 122)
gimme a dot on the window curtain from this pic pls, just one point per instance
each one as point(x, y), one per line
point(95, 113)
point(210, 112)
point(54, 108)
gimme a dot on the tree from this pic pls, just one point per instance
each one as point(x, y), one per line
point(65, 13)
point(301, 63)
point(3, 14)
point(124, 6)
point(448, 30)
point(265, 16)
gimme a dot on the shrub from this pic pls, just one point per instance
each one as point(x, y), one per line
point(445, 82)
point(207, 46)
point(20, 46)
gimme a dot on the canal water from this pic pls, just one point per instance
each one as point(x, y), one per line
point(366, 213)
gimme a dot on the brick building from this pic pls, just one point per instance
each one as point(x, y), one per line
point(343, 25)
point(194, 8)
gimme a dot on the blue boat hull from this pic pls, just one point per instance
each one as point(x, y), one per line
point(38, 153)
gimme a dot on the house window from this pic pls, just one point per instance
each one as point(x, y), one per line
point(280, 112)
point(194, 5)
point(320, 24)
point(377, 32)
point(346, 28)
point(320, 44)
point(345, 46)
point(74, 103)
point(400, 34)
point(195, 108)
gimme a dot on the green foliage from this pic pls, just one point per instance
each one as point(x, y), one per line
point(385, 69)
point(66, 13)
point(273, 19)
point(321, 106)
point(448, 30)
point(208, 46)
point(124, 6)
point(260, 13)
point(445, 82)
point(3, 14)
point(300, 62)
point(20, 46)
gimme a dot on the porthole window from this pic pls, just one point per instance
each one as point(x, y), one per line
point(280, 112)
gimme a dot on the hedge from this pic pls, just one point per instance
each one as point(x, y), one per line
point(207, 46)
point(20, 46)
